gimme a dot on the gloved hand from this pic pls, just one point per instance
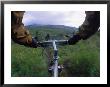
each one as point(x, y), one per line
point(74, 39)
point(34, 43)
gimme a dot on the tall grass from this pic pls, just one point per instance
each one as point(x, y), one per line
point(27, 62)
point(79, 60)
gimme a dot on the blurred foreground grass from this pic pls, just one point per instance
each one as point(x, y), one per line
point(79, 60)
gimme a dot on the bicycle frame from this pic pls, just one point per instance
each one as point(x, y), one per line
point(55, 68)
point(54, 43)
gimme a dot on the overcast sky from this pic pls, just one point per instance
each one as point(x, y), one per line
point(68, 18)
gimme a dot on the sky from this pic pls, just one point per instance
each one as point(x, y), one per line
point(68, 18)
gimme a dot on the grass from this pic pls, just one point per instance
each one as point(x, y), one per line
point(82, 59)
point(79, 60)
point(27, 62)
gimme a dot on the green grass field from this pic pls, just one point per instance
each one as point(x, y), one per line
point(79, 60)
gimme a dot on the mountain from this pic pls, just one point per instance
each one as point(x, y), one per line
point(38, 26)
point(55, 31)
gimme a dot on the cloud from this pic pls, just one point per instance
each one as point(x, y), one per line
point(69, 18)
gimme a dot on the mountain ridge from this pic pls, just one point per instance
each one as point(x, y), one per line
point(50, 26)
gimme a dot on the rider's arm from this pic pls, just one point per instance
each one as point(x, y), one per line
point(90, 25)
point(19, 33)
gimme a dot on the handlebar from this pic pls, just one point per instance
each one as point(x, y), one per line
point(54, 43)
point(49, 43)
